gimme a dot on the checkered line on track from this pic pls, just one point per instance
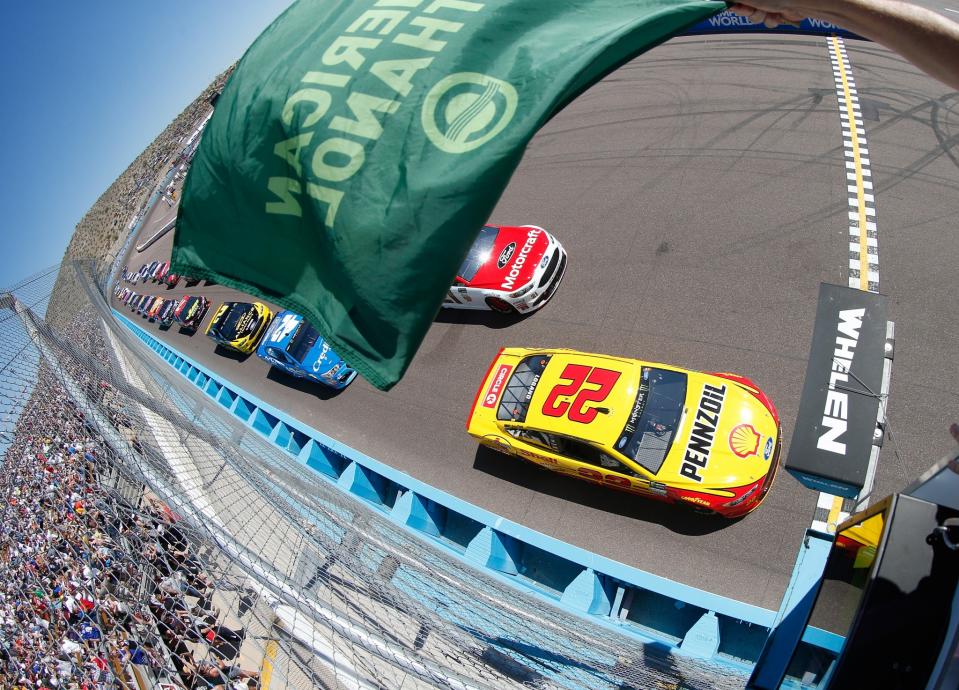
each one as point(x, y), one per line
point(863, 233)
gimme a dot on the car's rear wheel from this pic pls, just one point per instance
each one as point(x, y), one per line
point(500, 305)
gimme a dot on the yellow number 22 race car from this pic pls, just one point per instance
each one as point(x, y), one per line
point(711, 441)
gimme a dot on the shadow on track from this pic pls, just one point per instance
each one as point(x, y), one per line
point(490, 319)
point(230, 353)
point(675, 518)
point(314, 388)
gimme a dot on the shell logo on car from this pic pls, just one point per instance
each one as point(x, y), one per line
point(744, 440)
point(652, 429)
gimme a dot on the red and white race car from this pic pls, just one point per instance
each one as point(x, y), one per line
point(508, 269)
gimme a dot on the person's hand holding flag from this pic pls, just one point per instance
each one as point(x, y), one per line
point(925, 38)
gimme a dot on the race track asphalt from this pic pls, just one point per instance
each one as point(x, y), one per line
point(700, 191)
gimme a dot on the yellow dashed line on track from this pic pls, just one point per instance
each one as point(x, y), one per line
point(839, 54)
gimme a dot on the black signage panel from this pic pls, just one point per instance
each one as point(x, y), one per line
point(833, 437)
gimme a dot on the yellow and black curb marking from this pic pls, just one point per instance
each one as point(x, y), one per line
point(831, 511)
point(863, 235)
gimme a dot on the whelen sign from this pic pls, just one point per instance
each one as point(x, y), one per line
point(836, 426)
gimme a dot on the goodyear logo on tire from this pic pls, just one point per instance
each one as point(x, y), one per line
point(465, 110)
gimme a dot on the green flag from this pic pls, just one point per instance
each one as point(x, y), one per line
point(360, 145)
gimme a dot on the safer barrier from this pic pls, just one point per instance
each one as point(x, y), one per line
point(157, 235)
point(649, 607)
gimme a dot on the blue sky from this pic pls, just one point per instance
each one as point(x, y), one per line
point(87, 86)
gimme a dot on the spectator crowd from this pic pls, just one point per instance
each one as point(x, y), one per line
point(96, 592)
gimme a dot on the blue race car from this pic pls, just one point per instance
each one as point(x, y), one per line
point(293, 345)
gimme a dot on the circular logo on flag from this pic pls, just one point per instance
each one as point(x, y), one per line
point(465, 110)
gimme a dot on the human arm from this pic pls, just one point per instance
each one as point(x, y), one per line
point(926, 39)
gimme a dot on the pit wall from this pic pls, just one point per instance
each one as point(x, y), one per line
point(651, 608)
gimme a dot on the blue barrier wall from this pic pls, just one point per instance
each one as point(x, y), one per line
point(640, 604)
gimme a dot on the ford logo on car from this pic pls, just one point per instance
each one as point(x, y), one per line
point(506, 255)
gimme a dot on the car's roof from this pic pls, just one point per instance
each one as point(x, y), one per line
point(238, 305)
point(503, 268)
point(611, 412)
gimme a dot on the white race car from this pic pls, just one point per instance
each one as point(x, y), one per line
point(509, 269)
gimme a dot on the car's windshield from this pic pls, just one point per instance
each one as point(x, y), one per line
point(519, 390)
point(188, 306)
point(651, 425)
point(226, 329)
point(304, 339)
point(479, 253)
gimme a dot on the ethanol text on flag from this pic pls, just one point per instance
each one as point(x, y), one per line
point(339, 151)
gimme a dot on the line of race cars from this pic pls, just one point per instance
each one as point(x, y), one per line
point(288, 342)
point(157, 271)
point(709, 441)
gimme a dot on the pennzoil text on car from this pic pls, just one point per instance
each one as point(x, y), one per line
point(294, 346)
point(711, 441)
point(508, 269)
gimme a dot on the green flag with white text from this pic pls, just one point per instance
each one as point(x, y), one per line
point(360, 146)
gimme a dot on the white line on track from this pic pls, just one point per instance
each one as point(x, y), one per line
point(949, 9)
